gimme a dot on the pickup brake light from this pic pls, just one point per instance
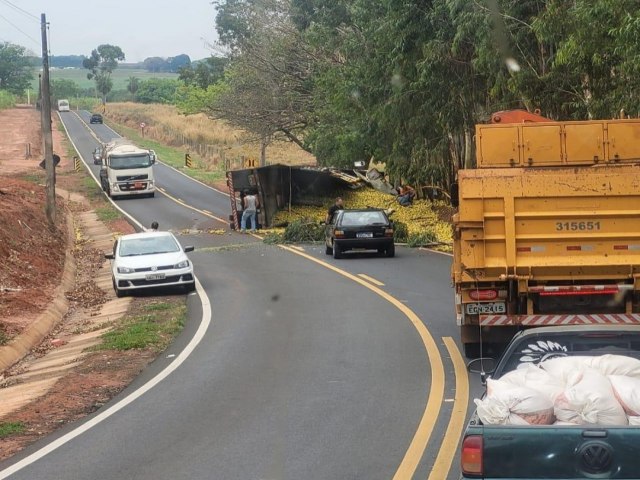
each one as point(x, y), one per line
point(471, 458)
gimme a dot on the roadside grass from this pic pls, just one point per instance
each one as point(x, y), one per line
point(215, 141)
point(33, 177)
point(172, 156)
point(107, 213)
point(11, 428)
point(153, 327)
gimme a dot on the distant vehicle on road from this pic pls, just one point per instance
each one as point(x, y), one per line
point(368, 229)
point(150, 259)
point(95, 118)
point(153, 155)
point(63, 105)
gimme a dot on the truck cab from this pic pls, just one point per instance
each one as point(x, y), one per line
point(127, 170)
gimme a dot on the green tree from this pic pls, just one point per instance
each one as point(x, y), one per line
point(133, 84)
point(15, 69)
point(158, 90)
point(205, 72)
point(64, 88)
point(101, 64)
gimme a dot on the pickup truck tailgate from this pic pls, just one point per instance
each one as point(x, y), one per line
point(562, 452)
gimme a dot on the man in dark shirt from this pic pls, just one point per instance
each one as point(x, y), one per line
point(333, 209)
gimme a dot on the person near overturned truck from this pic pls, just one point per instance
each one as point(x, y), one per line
point(339, 205)
point(250, 204)
point(406, 195)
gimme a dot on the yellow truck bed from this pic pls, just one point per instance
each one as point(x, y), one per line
point(560, 223)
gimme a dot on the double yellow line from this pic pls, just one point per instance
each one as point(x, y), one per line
point(435, 398)
point(420, 440)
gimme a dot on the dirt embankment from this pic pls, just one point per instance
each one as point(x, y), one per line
point(32, 257)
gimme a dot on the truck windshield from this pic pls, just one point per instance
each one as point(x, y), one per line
point(130, 161)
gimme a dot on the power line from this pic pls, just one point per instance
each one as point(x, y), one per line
point(20, 30)
point(21, 10)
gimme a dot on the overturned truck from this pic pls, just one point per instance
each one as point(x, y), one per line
point(281, 186)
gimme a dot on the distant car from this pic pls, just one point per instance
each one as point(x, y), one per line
point(153, 156)
point(97, 156)
point(150, 259)
point(95, 118)
point(368, 229)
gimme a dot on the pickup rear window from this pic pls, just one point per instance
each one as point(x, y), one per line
point(536, 349)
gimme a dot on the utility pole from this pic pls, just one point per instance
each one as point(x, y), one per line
point(50, 168)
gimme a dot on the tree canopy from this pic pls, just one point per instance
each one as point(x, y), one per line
point(101, 64)
point(15, 68)
point(405, 81)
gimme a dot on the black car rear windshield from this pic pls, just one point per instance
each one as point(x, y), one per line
point(537, 349)
point(358, 219)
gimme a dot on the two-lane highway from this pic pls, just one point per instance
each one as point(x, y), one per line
point(307, 370)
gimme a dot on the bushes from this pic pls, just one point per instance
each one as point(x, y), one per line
point(7, 100)
point(421, 238)
point(303, 230)
point(400, 232)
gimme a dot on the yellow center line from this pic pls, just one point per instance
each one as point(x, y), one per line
point(436, 391)
point(449, 445)
point(372, 280)
point(300, 249)
point(179, 201)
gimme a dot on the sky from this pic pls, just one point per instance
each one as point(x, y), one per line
point(142, 28)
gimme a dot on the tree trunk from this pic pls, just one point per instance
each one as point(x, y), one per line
point(468, 149)
point(263, 151)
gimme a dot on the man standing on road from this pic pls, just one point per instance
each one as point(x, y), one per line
point(250, 206)
point(333, 209)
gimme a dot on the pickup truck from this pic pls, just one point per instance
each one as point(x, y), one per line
point(553, 451)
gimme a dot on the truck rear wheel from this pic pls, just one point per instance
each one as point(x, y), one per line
point(471, 350)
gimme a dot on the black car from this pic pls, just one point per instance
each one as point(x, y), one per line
point(97, 156)
point(368, 229)
point(95, 118)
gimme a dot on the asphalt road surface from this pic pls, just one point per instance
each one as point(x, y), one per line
point(304, 367)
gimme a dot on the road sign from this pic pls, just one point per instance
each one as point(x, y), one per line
point(142, 125)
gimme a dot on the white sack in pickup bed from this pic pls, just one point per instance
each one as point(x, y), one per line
point(627, 392)
point(589, 399)
point(635, 421)
point(605, 364)
point(535, 378)
point(512, 405)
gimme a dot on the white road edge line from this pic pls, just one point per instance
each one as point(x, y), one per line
point(179, 360)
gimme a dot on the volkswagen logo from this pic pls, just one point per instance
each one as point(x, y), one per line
point(153, 269)
point(596, 457)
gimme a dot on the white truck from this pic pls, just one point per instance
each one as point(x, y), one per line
point(63, 105)
point(126, 169)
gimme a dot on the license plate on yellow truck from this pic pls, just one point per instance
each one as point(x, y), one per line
point(485, 308)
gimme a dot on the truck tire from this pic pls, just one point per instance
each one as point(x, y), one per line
point(471, 350)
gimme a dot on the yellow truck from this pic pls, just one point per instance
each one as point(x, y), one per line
point(548, 228)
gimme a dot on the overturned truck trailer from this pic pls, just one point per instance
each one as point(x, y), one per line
point(279, 186)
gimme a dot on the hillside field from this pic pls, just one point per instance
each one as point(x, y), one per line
point(120, 76)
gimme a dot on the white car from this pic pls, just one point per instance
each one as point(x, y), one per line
point(150, 259)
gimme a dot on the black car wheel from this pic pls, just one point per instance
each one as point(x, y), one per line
point(328, 250)
point(119, 293)
point(391, 250)
point(337, 251)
